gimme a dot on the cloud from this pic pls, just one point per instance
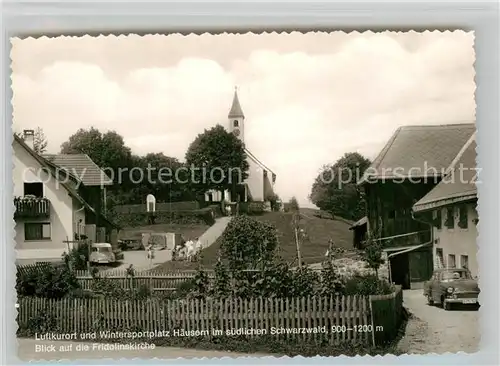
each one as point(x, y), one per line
point(307, 99)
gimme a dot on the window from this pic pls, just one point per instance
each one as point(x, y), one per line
point(235, 123)
point(455, 275)
point(210, 197)
point(463, 221)
point(37, 231)
point(33, 189)
point(451, 261)
point(450, 220)
point(464, 261)
point(437, 219)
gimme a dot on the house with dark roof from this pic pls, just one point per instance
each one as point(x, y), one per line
point(91, 179)
point(50, 208)
point(259, 186)
point(411, 164)
point(451, 209)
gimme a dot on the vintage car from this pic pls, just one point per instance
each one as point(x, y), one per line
point(103, 253)
point(451, 286)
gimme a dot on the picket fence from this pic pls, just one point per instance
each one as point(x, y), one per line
point(167, 281)
point(343, 318)
point(374, 319)
point(156, 281)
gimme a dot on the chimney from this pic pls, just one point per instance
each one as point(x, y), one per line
point(29, 138)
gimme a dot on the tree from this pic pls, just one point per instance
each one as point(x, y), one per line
point(107, 150)
point(217, 160)
point(293, 204)
point(374, 249)
point(335, 189)
point(165, 177)
point(40, 141)
point(247, 243)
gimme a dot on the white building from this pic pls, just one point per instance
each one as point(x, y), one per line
point(49, 208)
point(259, 185)
point(451, 205)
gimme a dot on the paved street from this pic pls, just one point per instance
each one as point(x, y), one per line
point(27, 352)
point(432, 329)
point(139, 258)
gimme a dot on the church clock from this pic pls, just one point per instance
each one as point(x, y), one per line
point(236, 132)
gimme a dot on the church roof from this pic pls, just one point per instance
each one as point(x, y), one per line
point(260, 163)
point(236, 107)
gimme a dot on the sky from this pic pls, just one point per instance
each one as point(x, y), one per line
point(307, 98)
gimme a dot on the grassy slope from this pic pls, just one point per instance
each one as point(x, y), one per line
point(319, 231)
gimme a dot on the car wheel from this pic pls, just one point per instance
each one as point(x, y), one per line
point(429, 300)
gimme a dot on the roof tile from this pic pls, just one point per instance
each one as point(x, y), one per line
point(459, 182)
point(420, 151)
point(82, 167)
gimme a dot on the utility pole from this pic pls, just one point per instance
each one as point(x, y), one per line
point(296, 220)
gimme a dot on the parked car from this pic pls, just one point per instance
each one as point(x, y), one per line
point(130, 244)
point(451, 286)
point(119, 256)
point(102, 253)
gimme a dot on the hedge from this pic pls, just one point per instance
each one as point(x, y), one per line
point(202, 216)
point(252, 208)
point(160, 206)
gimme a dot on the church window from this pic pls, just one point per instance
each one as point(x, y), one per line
point(235, 123)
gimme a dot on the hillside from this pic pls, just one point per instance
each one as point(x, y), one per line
point(319, 231)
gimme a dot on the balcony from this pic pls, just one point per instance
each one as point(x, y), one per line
point(409, 239)
point(31, 207)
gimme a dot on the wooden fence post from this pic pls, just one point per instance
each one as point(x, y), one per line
point(370, 300)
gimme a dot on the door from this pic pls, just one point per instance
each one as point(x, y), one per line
point(421, 265)
point(400, 270)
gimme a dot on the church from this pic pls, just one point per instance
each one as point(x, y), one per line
point(259, 186)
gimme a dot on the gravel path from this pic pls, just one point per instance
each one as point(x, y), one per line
point(434, 330)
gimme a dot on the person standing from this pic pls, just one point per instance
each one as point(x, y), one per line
point(151, 254)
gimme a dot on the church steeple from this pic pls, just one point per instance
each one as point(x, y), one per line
point(236, 118)
point(236, 111)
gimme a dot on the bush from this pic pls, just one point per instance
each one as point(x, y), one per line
point(106, 287)
point(304, 282)
point(247, 243)
point(251, 208)
point(201, 216)
point(43, 322)
point(275, 201)
point(367, 285)
point(78, 257)
point(49, 281)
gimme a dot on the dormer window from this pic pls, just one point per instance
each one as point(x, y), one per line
point(235, 123)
